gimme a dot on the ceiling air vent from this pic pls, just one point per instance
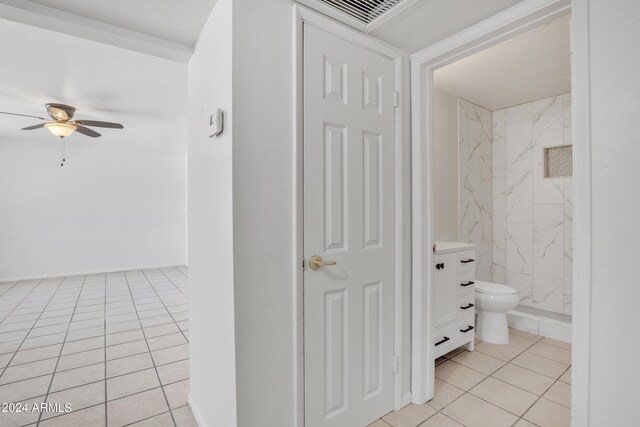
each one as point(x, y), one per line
point(364, 15)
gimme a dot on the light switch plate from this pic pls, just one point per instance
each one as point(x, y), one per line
point(216, 123)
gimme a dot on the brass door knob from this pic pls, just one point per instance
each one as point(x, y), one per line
point(316, 262)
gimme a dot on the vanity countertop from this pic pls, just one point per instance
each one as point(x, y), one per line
point(449, 247)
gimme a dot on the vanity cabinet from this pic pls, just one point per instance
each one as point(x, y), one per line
point(453, 296)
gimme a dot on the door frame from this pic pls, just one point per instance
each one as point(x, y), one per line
point(516, 20)
point(301, 16)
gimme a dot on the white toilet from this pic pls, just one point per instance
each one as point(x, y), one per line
point(492, 303)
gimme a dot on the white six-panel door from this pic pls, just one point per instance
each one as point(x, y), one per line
point(348, 219)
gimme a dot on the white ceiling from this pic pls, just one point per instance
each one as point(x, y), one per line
point(170, 28)
point(165, 28)
point(145, 93)
point(177, 21)
point(531, 66)
point(428, 21)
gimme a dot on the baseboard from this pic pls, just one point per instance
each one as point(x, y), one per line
point(84, 273)
point(406, 399)
point(195, 412)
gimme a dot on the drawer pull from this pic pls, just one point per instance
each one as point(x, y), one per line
point(470, 328)
point(440, 266)
point(442, 341)
point(467, 307)
point(467, 284)
point(467, 261)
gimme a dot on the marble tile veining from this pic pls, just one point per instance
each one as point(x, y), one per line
point(532, 216)
point(476, 177)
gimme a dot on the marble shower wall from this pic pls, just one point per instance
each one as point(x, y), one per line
point(532, 215)
point(475, 179)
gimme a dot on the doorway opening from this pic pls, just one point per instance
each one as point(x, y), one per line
point(425, 64)
point(502, 121)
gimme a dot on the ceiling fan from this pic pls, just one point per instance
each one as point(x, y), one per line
point(63, 124)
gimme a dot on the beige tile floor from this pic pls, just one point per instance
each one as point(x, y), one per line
point(526, 383)
point(113, 345)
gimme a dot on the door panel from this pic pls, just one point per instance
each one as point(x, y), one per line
point(349, 206)
point(335, 158)
point(372, 340)
point(372, 189)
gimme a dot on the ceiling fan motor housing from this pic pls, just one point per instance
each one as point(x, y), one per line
point(60, 112)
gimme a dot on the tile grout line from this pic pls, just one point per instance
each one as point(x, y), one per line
point(181, 272)
point(541, 396)
point(93, 364)
point(33, 285)
point(92, 349)
point(103, 403)
point(512, 359)
point(165, 307)
point(506, 363)
point(171, 281)
point(150, 354)
point(62, 346)
point(10, 287)
point(21, 301)
point(490, 375)
point(25, 338)
point(90, 327)
point(165, 294)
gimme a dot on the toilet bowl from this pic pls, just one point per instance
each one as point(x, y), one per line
point(492, 303)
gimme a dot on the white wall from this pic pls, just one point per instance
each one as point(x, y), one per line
point(212, 342)
point(445, 172)
point(119, 202)
point(533, 215)
point(615, 126)
point(107, 209)
point(263, 221)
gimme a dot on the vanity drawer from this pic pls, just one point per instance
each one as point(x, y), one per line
point(445, 336)
point(467, 262)
point(466, 283)
point(466, 327)
point(466, 305)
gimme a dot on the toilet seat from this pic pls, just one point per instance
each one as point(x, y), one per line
point(494, 288)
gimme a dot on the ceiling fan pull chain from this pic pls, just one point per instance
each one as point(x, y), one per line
point(62, 153)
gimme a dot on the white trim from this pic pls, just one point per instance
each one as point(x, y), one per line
point(195, 412)
point(88, 272)
point(352, 22)
point(422, 363)
point(52, 19)
point(298, 215)
point(304, 15)
point(402, 145)
point(406, 399)
point(509, 23)
point(337, 29)
point(582, 252)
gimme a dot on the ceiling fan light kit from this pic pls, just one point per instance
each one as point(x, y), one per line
point(64, 125)
point(61, 129)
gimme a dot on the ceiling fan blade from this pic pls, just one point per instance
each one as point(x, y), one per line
point(86, 131)
point(22, 115)
point(38, 126)
point(100, 124)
